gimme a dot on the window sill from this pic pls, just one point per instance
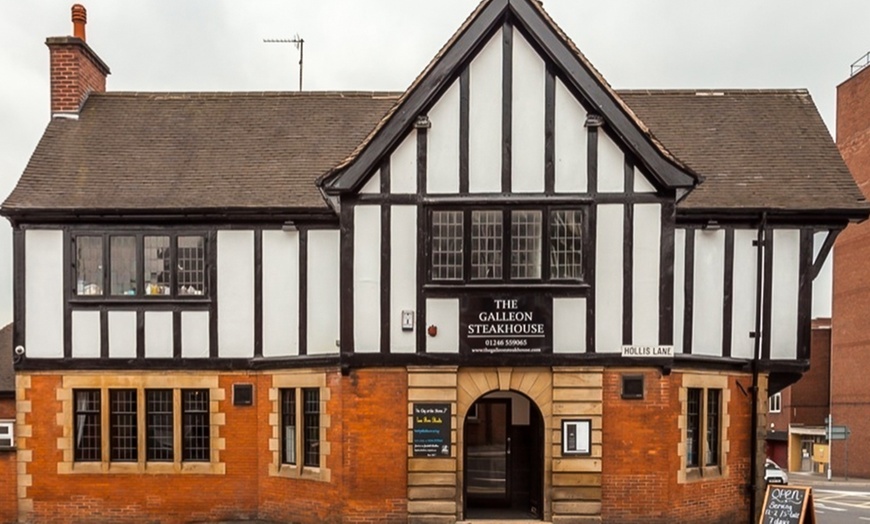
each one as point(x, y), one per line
point(138, 301)
point(702, 474)
point(291, 471)
point(153, 468)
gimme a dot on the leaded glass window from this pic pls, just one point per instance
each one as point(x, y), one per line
point(447, 245)
point(487, 236)
point(195, 442)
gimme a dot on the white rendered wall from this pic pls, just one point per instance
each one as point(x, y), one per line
point(43, 289)
point(645, 273)
point(444, 314)
point(122, 334)
point(158, 334)
point(403, 165)
point(485, 115)
point(608, 278)
point(367, 279)
point(373, 186)
point(569, 325)
point(280, 293)
point(322, 298)
point(570, 142)
point(86, 334)
point(194, 334)
point(642, 183)
point(527, 120)
point(403, 277)
point(744, 299)
point(235, 266)
point(784, 301)
point(611, 165)
point(679, 288)
point(442, 156)
point(708, 292)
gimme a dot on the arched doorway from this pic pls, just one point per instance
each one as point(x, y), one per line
point(503, 447)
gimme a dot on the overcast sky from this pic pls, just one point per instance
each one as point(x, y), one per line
point(216, 45)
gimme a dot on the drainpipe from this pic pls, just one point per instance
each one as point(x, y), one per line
point(761, 241)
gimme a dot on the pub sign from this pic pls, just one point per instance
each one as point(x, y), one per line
point(506, 324)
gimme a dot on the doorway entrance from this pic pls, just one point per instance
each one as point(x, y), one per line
point(504, 458)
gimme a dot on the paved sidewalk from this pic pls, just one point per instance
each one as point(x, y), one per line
point(819, 480)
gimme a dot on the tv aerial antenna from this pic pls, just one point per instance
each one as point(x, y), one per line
point(299, 42)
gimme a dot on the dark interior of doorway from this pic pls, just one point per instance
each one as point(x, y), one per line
point(503, 461)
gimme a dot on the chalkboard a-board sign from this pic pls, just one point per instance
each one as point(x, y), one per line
point(432, 430)
point(788, 505)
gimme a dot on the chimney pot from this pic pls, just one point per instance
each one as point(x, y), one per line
point(79, 19)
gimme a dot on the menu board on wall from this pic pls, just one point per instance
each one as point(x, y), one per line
point(432, 430)
point(506, 324)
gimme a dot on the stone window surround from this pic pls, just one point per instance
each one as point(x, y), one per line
point(299, 380)
point(140, 382)
point(705, 382)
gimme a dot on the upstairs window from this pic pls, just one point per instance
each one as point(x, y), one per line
point(493, 246)
point(139, 265)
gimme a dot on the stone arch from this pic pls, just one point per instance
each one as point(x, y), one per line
point(536, 384)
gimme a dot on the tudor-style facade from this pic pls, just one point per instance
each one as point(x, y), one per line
point(510, 288)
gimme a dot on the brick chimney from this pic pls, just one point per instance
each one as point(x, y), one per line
point(76, 70)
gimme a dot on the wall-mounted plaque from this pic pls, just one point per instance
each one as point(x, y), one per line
point(506, 324)
point(432, 430)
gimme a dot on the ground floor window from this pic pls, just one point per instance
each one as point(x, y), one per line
point(309, 398)
point(165, 413)
point(704, 409)
point(87, 430)
point(299, 424)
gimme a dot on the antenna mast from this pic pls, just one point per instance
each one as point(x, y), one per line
point(299, 42)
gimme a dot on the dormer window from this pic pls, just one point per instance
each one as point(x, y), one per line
point(139, 265)
point(500, 246)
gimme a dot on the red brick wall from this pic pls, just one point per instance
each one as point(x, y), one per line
point(810, 396)
point(8, 470)
point(367, 438)
point(73, 75)
point(850, 396)
point(640, 464)
point(129, 498)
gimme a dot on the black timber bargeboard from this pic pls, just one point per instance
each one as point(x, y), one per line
point(576, 75)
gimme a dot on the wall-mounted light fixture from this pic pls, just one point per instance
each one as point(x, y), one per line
point(289, 226)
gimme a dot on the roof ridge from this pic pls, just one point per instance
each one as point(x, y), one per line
point(237, 94)
point(724, 91)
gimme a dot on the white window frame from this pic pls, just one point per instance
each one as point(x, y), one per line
point(774, 403)
point(7, 432)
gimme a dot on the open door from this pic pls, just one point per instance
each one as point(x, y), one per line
point(503, 447)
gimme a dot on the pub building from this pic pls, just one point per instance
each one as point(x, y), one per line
point(509, 292)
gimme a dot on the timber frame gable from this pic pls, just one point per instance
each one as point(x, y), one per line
point(563, 61)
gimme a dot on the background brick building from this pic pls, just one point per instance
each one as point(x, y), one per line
point(850, 395)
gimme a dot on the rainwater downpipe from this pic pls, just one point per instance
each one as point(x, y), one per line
point(760, 242)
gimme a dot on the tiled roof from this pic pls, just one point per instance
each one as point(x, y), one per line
point(755, 149)
point(7, 374)
point(196, 150)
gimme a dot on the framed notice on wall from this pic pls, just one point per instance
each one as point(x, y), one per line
point(576, 437)
point(432, 430)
